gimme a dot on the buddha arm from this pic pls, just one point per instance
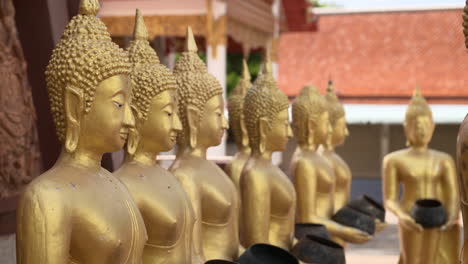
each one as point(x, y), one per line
point(391, 187)
point(305, 182)
point(236, 218)
point(255, 193)
point(43, 228)
point(193, 193)
point(450, 189)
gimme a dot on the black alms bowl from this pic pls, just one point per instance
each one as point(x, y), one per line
point(220, 261)
point(303, 229)
point(369, 206)
point(315, 249)
point(353, 218)
point(266, 254)
point(429, 213)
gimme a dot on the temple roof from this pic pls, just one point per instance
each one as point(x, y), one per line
point(380, 56)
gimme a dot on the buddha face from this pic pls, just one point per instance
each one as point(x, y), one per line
point(105, 127)
point(280, 132)
point(322, 128)
point(213, 123)
point(158, 132)
point(419, 130)
point(339, 132)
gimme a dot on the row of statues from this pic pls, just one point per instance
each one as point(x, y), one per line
point(104, 98)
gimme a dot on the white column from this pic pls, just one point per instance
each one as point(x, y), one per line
point(277, 157)
point(217, 67)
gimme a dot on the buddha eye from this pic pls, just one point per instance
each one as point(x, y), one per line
point(169, 113)
point(119, 105)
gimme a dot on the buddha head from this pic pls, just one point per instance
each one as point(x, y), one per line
point(154, 102)
point(311, 123)
point(266, 114)
point(89, 86)
point(418, 124)
point(236, 109)
point(337, 117)
point(201, 103)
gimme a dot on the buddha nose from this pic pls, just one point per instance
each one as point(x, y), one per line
point(128, 119)
point(225, 123)
point(177, 124)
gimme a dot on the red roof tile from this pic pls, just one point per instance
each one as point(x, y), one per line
point(371, 56)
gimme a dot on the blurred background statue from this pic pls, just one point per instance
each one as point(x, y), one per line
point(19, 153)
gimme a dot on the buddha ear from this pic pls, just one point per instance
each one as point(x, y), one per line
point(263, 130)
point(193, 117)
point(132, 141)
point(245, 137)
point(310, 125)
point(74, 107)
point(133, 135)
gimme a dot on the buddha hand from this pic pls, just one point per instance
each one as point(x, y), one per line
point(408, 222)
point(354, 235)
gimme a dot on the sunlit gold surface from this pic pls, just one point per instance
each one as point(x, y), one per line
point(313, 177)
point(165, 207)
point(237, 125)
point(213, 195)
point(77, 212)
point(424, 174)
point(267, 195)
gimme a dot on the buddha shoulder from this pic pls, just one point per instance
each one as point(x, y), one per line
point(47, 194)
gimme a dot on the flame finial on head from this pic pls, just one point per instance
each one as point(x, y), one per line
point(417, 106)
point(190, 44)
point(140, 31)
point(245, 71)
point(89, 7)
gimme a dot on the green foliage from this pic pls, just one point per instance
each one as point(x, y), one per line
point(234, 68)
point(320, 3)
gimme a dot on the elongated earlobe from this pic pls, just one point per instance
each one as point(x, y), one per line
point(132, 141)
point(73, 112)
point(245, 136)
point(193, 119)
point(309, 132)
point(263, 128)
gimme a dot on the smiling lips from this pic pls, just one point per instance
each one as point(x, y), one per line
point(123, 135)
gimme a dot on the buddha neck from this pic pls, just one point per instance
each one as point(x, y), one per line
point(196, 152)
point(265, 155)
point(245, 150)
point(419, 149)
point(144, 157)
point(82, 158)
point(308, 147)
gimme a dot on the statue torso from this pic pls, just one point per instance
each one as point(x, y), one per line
point(166, 210)
point(282, 201)
point(98, 211)
point(420, 174)
point(342, 179)
point(325, 182)
point(218, 205)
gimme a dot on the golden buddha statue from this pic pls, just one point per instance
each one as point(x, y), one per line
point(339, 132)
point(267, 195)
point(78, 212)
point(313, 177)
point(162, 201)
point(424, 174)
point(213, 195)
point(237, 124)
